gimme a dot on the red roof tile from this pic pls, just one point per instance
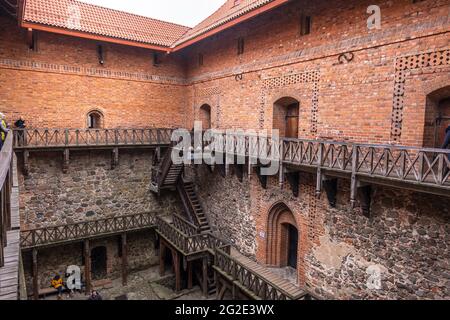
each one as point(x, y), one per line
point(226, 13)
point(83, 17)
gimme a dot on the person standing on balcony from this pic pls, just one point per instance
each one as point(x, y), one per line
point(446, 144)
point(3, 129)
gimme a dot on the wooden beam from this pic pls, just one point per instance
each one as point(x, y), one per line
point(205, 276)
point(115, 158)
point(177, 267)
point(189, 272)
point(35, 275)
point(162, 258)
point(87, 266)
point(66, 160)
point(124, 259)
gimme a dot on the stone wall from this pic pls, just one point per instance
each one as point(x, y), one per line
point(52, 261)
point(90, 190)
point(341, 254)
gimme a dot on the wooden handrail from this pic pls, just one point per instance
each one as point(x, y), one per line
point(6, 154)
point(46, 236)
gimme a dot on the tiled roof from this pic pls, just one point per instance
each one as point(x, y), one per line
point(83, 17)
point(226, 13)
point(87, 18)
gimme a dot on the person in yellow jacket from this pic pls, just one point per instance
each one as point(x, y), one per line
point(3, 129)
point(57, 283)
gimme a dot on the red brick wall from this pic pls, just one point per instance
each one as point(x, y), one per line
point(61, 82)
point(350, 101)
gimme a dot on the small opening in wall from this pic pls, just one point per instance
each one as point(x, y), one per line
point(94, 120)
point(305, 24)
point(241, 46)
point(200, 59)
point(101, 54)
point(156, 60)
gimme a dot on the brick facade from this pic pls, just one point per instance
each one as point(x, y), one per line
point(351, 83)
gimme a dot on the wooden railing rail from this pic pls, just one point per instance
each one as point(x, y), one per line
point(260, 287)
point(79, 231)
point(65, 138)
point(5, 193)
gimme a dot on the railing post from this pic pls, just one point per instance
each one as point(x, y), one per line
point(353, 188)
point(441, 168)
point(66, 141)
point(319, 170)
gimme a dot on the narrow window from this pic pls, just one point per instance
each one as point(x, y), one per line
point(101, 54)
point(200, 59)
point(34, 41)
point(241, 45)
point(156, 61)
point(94, 120)
point(305, 24)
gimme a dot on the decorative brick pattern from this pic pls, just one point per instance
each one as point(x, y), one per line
point(403, 65)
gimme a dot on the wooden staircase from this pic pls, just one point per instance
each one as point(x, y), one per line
point(192, 205)
point(166, 174)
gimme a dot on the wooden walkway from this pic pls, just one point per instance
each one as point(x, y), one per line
point(266, 274)
point(9, 274)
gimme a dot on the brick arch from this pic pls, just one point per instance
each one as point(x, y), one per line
point(279, 94)
point(212, 110)
point(280, 215)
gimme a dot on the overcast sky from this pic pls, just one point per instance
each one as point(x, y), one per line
point(184, 12)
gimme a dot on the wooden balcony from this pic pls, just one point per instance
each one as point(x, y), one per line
point(60, 139)
point(78, 232)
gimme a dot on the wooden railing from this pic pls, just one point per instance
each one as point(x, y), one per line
point(258, 287)
point(84, 230)
point(184, 240)
point(66, 138)
point(5, 193)
point(424, 166)
point(186, 201)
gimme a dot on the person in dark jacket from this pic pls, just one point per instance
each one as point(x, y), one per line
point(446, 144)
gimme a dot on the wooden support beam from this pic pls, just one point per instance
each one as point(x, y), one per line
point(66, 160)
point(189, 272)
point(330, 186)
point(205, 276)
point(221, 293)
point(115, 158)
point(162, 258)
point(294, 181)
point(87, 266)
point(35, 275)
point(26, 164)
point(177, 267)
point(124, 259)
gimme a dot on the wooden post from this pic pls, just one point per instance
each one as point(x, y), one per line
point(176, 263)
point(124, 260)
point(87, 266)
point(205, 276)
point(35, 275)
point(162, 256)
point(189, 271)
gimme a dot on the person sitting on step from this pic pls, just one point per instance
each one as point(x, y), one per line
point(57, 283)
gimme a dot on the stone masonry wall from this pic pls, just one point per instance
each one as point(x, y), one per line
point(90, 190)
point(405, 243)
point(52, 261)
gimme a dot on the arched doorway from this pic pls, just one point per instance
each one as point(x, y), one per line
point(98, 263)
point(286, 117)
point(95, 120)
point(437, 117)
point(205, 116)
point(283, 239)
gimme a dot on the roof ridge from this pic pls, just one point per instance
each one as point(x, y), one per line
point(130, 13)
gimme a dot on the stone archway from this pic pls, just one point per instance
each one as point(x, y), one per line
point(282, 237)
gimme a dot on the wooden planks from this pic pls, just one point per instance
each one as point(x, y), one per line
point(267, 274)
point(9, 274)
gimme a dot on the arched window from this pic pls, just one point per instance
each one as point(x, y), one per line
point(286, 117)
point(437, 117)
point(95, 120)
point(205, 116)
